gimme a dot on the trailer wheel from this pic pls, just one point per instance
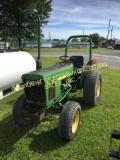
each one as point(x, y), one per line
point(20, 113)
point(69, 120)
point(92, 87)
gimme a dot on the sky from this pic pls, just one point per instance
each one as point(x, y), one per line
point(77, 17)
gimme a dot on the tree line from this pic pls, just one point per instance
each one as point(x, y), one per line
point(96, 39)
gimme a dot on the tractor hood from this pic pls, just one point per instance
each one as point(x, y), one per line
point(60, 70)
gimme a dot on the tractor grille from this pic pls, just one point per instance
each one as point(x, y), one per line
point(36, 93)
point(51, 93)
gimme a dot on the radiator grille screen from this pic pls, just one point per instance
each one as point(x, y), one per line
point(51, 93)
point(36, 93)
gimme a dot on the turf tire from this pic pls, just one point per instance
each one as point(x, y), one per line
point(19, 112)
point(68, 127)
point(92, 87)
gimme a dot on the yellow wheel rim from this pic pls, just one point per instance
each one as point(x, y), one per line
point(75, 121)
point(98, 89)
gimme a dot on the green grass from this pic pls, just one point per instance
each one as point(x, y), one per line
point(63, 50)
point(41, 141)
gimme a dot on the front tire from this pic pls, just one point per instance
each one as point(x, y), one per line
point(20, 114)
point(92, 87)
point(69, 120)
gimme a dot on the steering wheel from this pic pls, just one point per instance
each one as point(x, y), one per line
point(64, 58)
point(72, 58)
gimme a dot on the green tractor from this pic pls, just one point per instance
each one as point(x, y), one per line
point(49, 87)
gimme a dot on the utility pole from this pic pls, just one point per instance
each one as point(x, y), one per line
point(49, 37)
point(108, 28)
point(111, 32)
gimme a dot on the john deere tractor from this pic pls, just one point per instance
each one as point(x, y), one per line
point(49, 87)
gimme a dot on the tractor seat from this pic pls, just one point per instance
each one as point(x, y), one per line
point(78, 61)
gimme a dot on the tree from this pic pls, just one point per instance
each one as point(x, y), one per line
point(102, 38)
point(95, 38)
point(55, 39)
point(19, 18)
point(75, 40)
point(84, 39)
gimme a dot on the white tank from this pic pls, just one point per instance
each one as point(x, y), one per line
point(12, 66)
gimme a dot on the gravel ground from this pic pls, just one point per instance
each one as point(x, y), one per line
point(111, 59)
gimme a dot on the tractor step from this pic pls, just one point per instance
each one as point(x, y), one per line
point(115, 134)
point(114, 154)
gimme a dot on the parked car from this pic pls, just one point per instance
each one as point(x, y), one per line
point(117, 46)
point(109, 47)
point(95, 46)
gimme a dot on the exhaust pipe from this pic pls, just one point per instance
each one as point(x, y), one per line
point(38, 62)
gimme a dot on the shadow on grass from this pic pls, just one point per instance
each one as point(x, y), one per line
point(46, 141)
point(81, 102)
point(49, 140)
point(10, 133)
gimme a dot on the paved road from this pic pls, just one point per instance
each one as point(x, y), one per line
point(112, 59)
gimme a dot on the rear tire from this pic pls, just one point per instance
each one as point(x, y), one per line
point(92, 87)
point(20, 114)
point(69, 120)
